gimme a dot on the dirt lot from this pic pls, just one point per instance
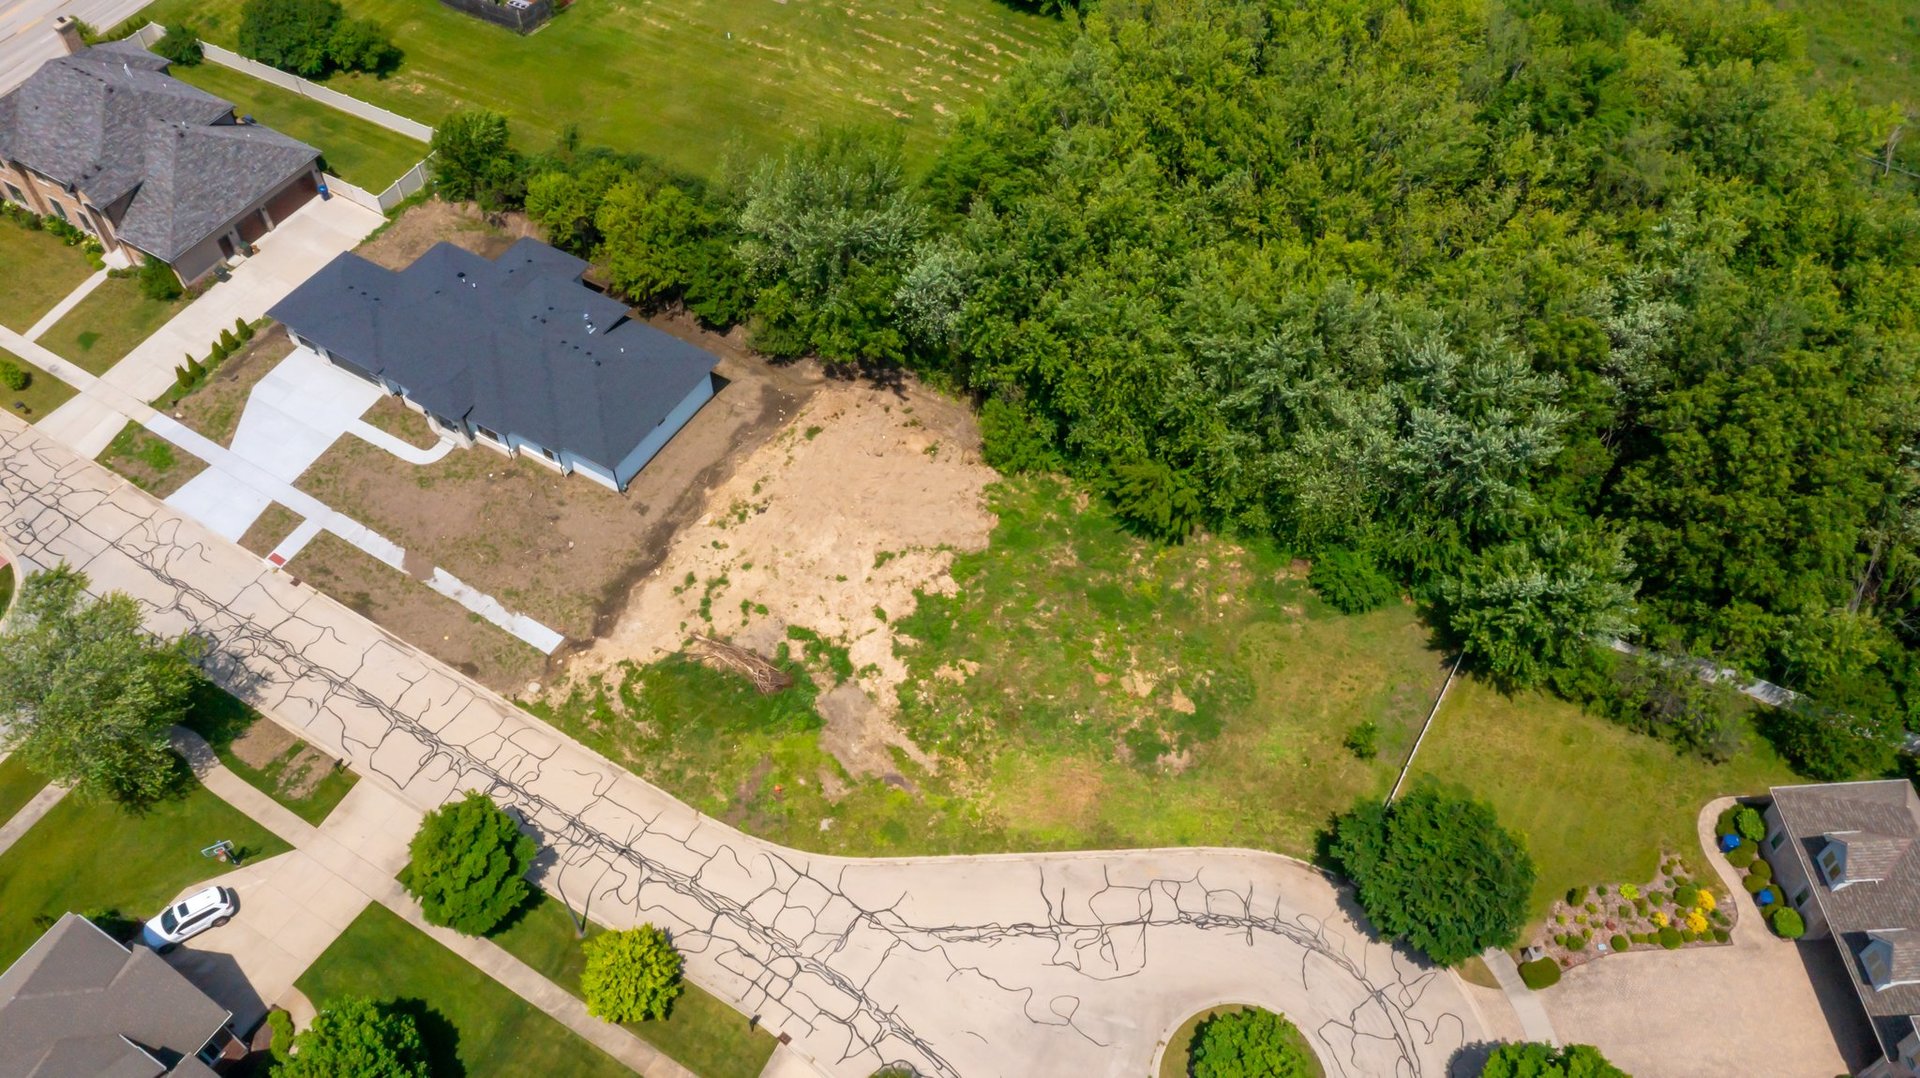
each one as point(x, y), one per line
point(273, 525)
point(830, 527)
point(459, 223)
point(214, 409)
point(423, 617)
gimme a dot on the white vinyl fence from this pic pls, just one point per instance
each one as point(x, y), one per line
point(385, 201)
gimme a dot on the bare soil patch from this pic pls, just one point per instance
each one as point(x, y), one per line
point(831, 527)
point(214, 409)
point(410, 610)
point(434, 221)
point(270, 528)
point(301, 766)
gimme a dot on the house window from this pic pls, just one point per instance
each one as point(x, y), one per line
point(1800, 897)
point(1873, 960)
point(1778, 837)
point(61, 211)
point(14, 193)
point(487, 434)
point(548, 453)
point(1833, 863)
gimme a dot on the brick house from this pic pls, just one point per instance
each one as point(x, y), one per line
point(106, 140)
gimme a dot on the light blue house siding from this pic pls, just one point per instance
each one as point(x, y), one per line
point(701, 393)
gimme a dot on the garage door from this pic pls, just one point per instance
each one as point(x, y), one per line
point(291, 198)
point(252, 227)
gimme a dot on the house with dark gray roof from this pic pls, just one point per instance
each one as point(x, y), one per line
point(1847, 856)
point(106, 140)
point(516, 353)
point(80, 1003)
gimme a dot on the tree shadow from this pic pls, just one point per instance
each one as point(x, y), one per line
point(437, 1035)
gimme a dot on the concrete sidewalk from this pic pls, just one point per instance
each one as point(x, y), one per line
point(61, 308)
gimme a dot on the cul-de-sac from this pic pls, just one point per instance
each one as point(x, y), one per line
point(952, 538)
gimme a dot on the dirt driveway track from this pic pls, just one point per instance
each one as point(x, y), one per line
point(1071, 964)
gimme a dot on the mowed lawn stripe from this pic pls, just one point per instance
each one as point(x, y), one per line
point(355, 150)
point(689, 83)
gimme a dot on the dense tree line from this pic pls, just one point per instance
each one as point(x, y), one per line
point(1580, 319)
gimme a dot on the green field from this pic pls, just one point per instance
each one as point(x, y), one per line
point(471, 1025)
point(701, 1032)
point(87, 855)
point(105, 326)
point(686, 82)
point(358, 152)
point(38, 270)
point(43, 394)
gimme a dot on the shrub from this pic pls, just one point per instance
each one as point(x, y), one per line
point(357, 1036)
point(1688, 935)
point(1364, 740)
point(468, 865)
point(1540, 974)
point(1696, 922)
point(65, 231)
point(1742, 855)
point(1576, 895)
point(1249, 1043)
point(1156, 500)
point(1436, 870)
point(1787, 924)
point(241, 327)
point(1014, 438)
point(1535, 1060)
point(1761, 869)
point(12, 376)
point(229, 343)
point(281, 1043)
point(158, 283)
point(1685, 895)
point(1721, 935)
point(1670, 937)
point(1755, 883)
point(1658, 898)
point(631, 975)
point(1601, 890)
point(1640, 906)
point(1619, 943)
point(1751, 825)
point(179, 45)
point(1660, 918)
point(1629, 891)
point(1350, 582)
point(1577, 943)
point(1706, 901)
point(1643, 937)
point(1724, 825)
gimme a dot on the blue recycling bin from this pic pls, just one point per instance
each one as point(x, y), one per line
point(1765, 897)
point(1729, 843)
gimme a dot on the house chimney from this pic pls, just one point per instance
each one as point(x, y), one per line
point(69, 32)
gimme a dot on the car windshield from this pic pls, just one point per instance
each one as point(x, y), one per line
point(168, 921)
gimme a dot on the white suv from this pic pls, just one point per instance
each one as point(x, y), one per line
point(189, 917)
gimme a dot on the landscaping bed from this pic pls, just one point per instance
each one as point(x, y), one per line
point(1668, 912)
point(700, 1031)
point(471, 1025)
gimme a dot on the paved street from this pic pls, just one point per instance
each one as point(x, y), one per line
point(26, 31)
point(1017, 965)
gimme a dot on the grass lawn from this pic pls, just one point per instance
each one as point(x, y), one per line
point(358, 152)
point(1597, 803)
point(7, 583)
point(39, 271)
point(1177, 1061)
point(17, 784)
point(267, 756)
point(108, 324)
point(88, 855)
point(471, 1025)
point(687, 82)
point(43, 394)
point(149, 461)
point(1872, 44)
point(702, 1033)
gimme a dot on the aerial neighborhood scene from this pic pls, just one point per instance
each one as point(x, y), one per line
point(949, 538)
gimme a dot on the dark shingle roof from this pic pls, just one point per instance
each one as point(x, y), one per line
point(79, 1003)
point(100, 120)
point(1880, 822)
point(517, 345)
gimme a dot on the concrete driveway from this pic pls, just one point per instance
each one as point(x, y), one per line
point(1758, 1006)
point(1017, 965)
point(300, 408)
point(292, 252)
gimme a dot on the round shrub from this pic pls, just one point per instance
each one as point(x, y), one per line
point(1643, 937)
point(1250, 1042)
point(1540, 974)
point(468, 865)
point(1670, 937)
point(1619, 943)
point(1577, 943)
point(1351, 583)
point(1751, 825)
point(1787, 924)
point(1601, 890)
point(1761, 869)
point(1755, 883)
point(1685, 895)
point(1724, 824)
point(1741, 856)
point(1576, 895)
point(630, 975)
point(1721, 935)
point(12, 377)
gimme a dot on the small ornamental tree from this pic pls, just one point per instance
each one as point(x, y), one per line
point(1438, 871)
point(469, 863)
point(180, 45)
point(474, 159)
point(1250, 1043)
point(12, 376)
point(1787, 923)
point(1350, 582)
point(631, 975)
point(357, 1037)
point(1534, 1060)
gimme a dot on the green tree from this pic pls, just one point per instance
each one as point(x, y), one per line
point(12, 376)
point(312, 38)
point(86, 696)
point(179, 45)
point(631, 975)
point(1524, 607)
point(158, 281)
point(1350, 581)
point(468, 865)
point(1437, 871)
point(1534, 1060)
point(473, 158)
point(1157, 500)
point(358, 1037)
point(1250, 1043)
